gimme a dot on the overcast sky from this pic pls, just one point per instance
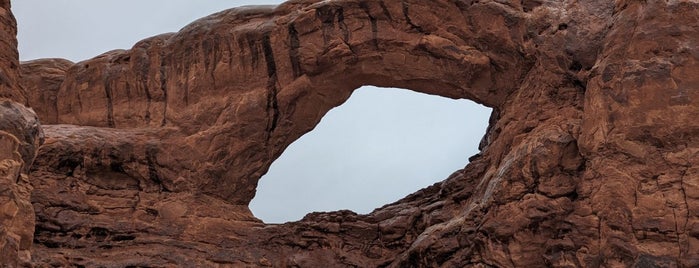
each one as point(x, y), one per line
point(380, 146)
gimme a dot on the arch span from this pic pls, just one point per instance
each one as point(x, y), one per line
point(185, 126)
point(241, 85)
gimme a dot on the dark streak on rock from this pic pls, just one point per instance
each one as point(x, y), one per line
point(163, 88)
point(271, 83)
point(216, 58)
point(254, 52)
point(211, 49)
point(143, 71)
point(374, 24)
point(269, 57)
point(207, 48)
point(385, 11)
point(241, 53)
point(295, 44)
point(149, 101)
point(230, 53)
point(326, 15)
point(128, 91)
point(151, 152)
point(110, 104)
point(185, 98)
point(343, 26)
point(406, 13)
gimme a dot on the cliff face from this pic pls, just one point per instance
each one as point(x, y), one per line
point(154, 153)
point(10, 86)
point(20, 137)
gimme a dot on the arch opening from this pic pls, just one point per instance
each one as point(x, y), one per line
point(379, 146)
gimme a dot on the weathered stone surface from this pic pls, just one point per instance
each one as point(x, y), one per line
point(20, 137)
point(42, 80)
point(271, 78)
point(10, 87)
point(590, 159)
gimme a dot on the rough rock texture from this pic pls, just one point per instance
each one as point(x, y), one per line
point(20, 137)
point(590, 159)
point(10, 87)
point(42, 80)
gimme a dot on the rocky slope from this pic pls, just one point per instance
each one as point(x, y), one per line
point(153, 154)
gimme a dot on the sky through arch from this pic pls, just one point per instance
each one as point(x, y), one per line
point(379, 146)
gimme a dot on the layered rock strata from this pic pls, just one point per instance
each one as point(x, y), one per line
point(590, 159)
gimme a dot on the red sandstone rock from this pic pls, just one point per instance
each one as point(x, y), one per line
point(20, 137)
point(590, 159)
point(42, 79)
point(10, 86)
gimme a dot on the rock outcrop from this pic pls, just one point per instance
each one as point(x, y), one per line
point(590, 159)
point(10, 86)
point(20, 137)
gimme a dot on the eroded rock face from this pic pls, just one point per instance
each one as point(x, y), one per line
point(590, 159)
point(42, 79)
point(10, 87)
point(20, 137)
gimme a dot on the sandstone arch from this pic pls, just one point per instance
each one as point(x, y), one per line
point(590, 159)
point(277, 71)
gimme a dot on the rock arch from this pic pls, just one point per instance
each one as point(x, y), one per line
point(277, 71)
point(590, 99)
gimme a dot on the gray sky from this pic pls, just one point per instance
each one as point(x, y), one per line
point(380, 146)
